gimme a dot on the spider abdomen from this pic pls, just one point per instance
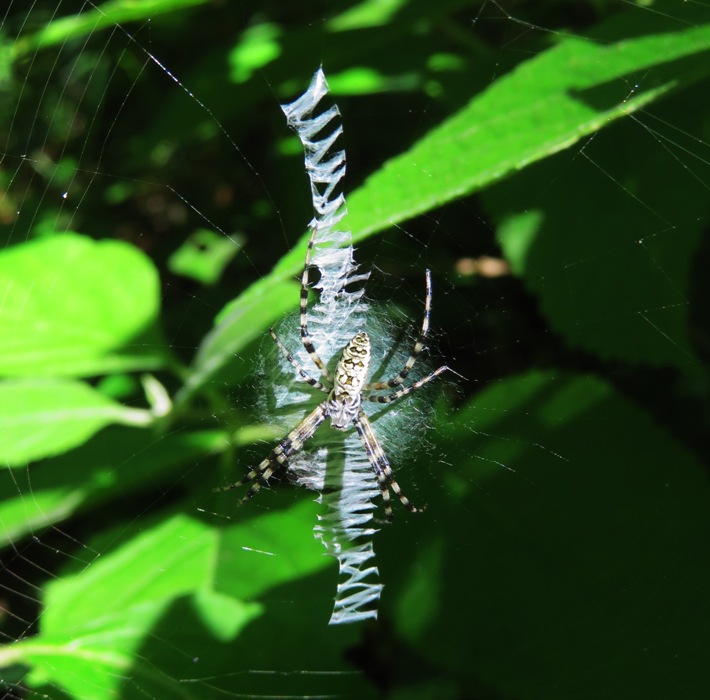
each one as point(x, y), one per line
point(350, 375)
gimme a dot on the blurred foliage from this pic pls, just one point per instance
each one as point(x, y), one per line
point(151, 210)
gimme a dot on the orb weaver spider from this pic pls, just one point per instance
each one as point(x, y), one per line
point(346, 389)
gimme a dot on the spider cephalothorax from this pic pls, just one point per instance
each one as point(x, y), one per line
point(346, 389)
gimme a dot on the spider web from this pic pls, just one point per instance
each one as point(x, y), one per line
point(345, 530)
point(562, 553)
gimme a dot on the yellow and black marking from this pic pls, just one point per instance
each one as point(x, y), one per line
point(350, 375)
point(345, 390)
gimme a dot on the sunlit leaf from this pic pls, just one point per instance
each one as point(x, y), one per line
point(109, 14)
point(43, 417)
point(238, 324)
point(114, 464)
point(95, 619)
point(204, 255)
point(545, 105)
point(612, 279)
point(73, 306)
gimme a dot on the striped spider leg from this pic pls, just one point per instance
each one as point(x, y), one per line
point(345, 388)
point(278, 457)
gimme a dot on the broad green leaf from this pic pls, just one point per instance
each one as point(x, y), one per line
point(572, 529)
point(158, 563)
point(613, 279)
point(43, 417)
point(545, 105)
point(114, 464)
point(270, 550)
point(96, 618)
point(239, 323)
point(73, 306)
point(108, 15)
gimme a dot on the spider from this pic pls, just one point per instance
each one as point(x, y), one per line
point(345, 389)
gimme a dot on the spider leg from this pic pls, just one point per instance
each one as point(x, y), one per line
point(380, 464)
point(408, 389)
point(305, 337)
point(297, 365)
point(279, 456)
point(418, 346)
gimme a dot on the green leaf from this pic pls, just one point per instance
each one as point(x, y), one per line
point(239, 323)
point(223, 615)
point(114, 464)
point(270, 550)
point(43, 417)
point(545, 105)
point(613, 279)
point(96, 619)
point(110, 14)
point(366, 81)
point(204, 255)
point(571, 527)
point(258, 46)
point(73, 306)
point(369, 13)
point(170, 559)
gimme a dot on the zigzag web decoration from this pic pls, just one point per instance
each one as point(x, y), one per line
point(341, 471)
